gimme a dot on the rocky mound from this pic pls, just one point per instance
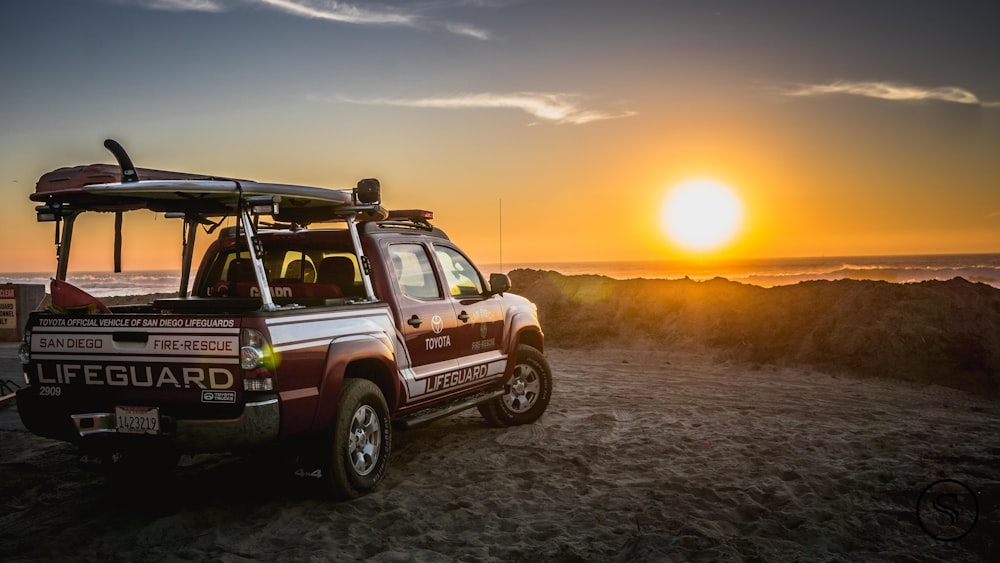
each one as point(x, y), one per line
point(939, 332)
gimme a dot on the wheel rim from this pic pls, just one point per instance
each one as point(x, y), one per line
point(524, 389)
point(365, 441)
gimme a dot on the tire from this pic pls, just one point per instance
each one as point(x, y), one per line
point(360, 440)
point(530, 389)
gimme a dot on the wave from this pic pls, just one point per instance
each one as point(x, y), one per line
point(981, 268)
point(986, 275)
point(108, 284)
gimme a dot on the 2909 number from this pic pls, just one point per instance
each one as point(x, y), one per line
point(49, 391)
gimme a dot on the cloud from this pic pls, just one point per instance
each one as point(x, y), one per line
point(556, 108)
point(892, 91)
point(338, 11)
point(178, 5)
point(332, 10)
point(468, 31)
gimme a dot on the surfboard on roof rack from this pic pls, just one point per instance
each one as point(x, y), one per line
point(65, 193)
point(105, 187)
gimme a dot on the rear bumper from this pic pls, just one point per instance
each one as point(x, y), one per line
point(258, 425)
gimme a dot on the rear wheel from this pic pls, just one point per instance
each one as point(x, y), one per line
point(530, 389)
point(357, 455)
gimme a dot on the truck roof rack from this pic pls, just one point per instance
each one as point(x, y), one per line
point(418, 215)
point(404, 220)
point(415, 218)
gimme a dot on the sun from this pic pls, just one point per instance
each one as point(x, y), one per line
point(701, 215)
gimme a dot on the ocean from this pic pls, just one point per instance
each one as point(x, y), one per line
point(984, 268)
point(769, 272)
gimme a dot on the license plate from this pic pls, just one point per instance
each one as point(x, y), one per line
point(138, 420)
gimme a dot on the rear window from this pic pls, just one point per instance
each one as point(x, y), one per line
point(294, 268)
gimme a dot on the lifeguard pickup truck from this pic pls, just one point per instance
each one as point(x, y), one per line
point(315, 323)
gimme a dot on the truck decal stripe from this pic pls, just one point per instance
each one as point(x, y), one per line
point(104, 330)
point(311, 317)
point(300, 334)
point(106, 322)
point(76, 357)
point(129, 375)
point(449, 377)
point(159, 344)
point(302, 345)
point(442, 383)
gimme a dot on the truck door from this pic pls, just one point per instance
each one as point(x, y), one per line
point(427, 318)
point(480, 318)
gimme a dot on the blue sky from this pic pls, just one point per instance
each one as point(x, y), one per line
point(846, 127)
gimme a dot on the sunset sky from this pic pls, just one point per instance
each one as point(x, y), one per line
point(843, 127)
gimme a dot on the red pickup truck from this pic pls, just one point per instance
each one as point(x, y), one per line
point(315, 323)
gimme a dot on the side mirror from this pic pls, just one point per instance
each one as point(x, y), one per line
point(499, 283)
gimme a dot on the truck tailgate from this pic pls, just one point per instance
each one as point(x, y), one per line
point(147, 369)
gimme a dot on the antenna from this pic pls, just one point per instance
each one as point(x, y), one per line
point(501, 235)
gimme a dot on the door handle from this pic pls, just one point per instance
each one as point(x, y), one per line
point(463, 316)
point(141, 337)
point(415, 321)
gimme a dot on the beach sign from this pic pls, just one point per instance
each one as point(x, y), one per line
point(16, 301)
point(8, 307)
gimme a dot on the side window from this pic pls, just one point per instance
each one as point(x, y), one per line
point(414, 272)
point(462, 277)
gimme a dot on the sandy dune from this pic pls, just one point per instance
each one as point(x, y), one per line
point(935, 332)
point(642, 456)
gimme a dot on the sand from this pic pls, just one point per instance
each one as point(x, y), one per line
point(668, 438)
point(649, 456)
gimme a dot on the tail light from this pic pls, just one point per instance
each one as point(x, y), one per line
point(257, 361)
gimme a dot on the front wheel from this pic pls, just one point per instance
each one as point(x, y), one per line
point(360, 440)
point(529, 391)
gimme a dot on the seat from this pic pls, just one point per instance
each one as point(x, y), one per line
point(241, 270)
point(300, 270)
point(338, 270)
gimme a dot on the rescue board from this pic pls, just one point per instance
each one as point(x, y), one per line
point(79, 176)
point(105, 187)
point(204, 195)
